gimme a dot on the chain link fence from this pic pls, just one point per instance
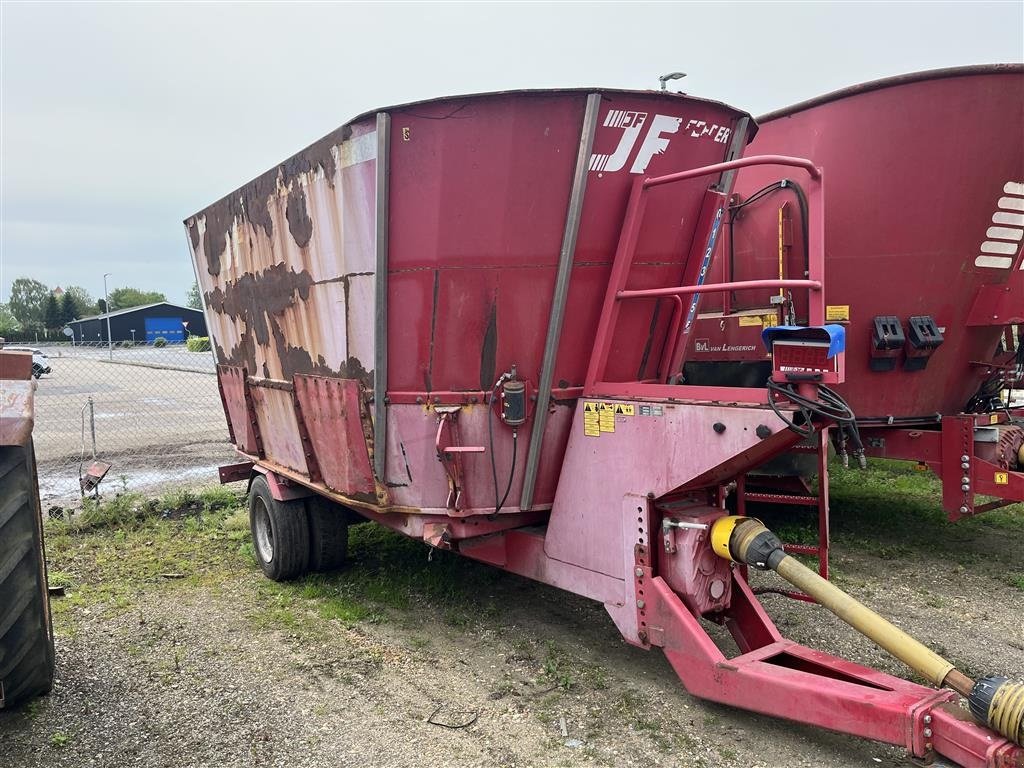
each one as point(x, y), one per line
point(152, 413)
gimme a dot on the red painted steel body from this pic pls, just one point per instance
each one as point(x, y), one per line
point(426, 240)
point(925, 216)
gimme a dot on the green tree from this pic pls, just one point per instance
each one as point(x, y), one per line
point(8, 322)
point(194, 298)
point(28, 302)
point(68, 310)
point(122, 298)
point(51, 313)
point(81, 300)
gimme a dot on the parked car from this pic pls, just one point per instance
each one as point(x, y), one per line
point(40, 363)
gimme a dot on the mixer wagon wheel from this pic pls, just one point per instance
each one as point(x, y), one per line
point(328, 534)
point(280, 533)
point(26, 634)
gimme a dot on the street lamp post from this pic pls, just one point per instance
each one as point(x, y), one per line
point(133, 337)
point(106, 306)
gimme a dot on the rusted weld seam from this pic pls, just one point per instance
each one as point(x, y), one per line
point(558, 299)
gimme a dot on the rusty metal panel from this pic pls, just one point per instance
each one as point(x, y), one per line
point(275, 260)
point(15, 364)
point(232, 389)
point(277, 427)
point(16, 411)
point(337, 426)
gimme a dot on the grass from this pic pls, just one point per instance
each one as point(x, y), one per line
point(114, 550)
point(893, 510)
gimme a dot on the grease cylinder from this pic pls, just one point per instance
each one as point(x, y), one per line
point(513, 402)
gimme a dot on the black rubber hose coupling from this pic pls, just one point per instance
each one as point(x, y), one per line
point(999, 703)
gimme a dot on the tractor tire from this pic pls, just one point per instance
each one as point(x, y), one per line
point(280, 533)
point(26, 632)
point(328, 534)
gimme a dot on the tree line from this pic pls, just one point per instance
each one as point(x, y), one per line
point(34, 309)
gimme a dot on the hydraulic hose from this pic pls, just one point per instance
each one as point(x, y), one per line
point(994, 701)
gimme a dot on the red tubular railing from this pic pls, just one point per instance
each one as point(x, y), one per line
point(743, 285)
point(675, 347)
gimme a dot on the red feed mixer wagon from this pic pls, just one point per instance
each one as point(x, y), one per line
point(461, 318)
point(924, 222)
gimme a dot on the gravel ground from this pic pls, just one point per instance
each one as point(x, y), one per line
point(222, 668)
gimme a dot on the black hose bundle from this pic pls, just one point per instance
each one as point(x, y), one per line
point(829, 405)
point(499, 502)
point(987, 398)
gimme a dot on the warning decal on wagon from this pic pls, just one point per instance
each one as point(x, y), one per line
point(591, 423)
point(600, 417)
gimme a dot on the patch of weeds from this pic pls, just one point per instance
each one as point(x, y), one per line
point(59, 739)
point(57, 578)
point(1016, 580)
point(556, 668)
point(343, 609)
point(458, 617)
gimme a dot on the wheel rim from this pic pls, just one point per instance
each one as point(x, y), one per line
point(262, 533)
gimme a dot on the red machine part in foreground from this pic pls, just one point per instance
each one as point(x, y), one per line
point(400, 347)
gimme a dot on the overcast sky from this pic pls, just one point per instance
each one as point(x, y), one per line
point(118, 121)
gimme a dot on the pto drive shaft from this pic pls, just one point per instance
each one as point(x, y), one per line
point(994, 701)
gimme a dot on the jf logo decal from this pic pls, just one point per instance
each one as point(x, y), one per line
point(655, 141)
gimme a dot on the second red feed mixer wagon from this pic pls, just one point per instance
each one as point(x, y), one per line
point(924, 223)
point(461, 318)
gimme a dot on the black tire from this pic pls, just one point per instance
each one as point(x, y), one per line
point(280, 533)
point(26, 633)
point(328, 534)
point(37, 370)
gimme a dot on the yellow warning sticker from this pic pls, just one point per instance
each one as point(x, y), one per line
point(993, 419)
point(1002, 478)
point(750, 320)
point(606, 414)
point(591, 423)
point(836, 312)
point(769, 321)
point(624, 409)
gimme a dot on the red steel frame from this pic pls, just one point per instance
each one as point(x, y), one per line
point(949, 451)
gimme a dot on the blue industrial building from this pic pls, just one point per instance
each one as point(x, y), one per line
point(142, 324)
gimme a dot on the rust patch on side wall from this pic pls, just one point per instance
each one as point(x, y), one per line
point(489, 350)
point(219, 219)
point(193, 232)
point(248, 203)
point(251, 200)
point(319, 154)
point(299, 223)
point(254, 297)
point(256, 303)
